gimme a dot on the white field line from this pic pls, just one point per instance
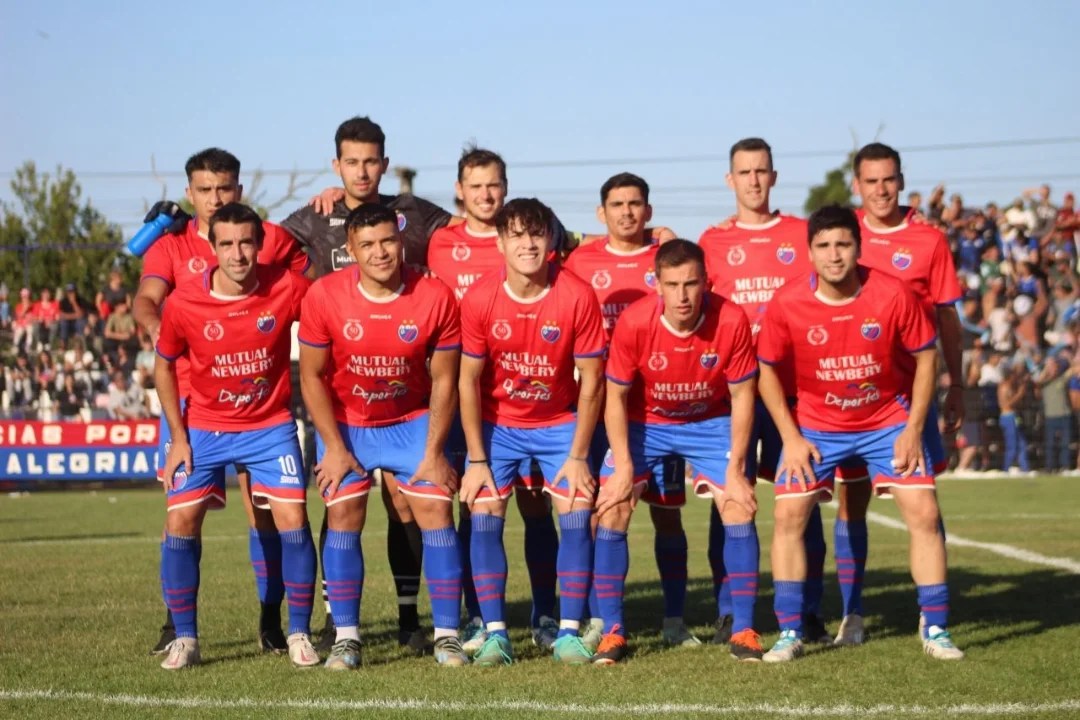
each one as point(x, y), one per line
point(1009, 551)
point(648, 709)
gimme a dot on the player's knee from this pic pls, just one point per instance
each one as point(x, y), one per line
point(288, 516)
point(733, 514)
point(667, 521)
point(921, 511)
point(262, 518)
point(617, 517)
point(348, 515)
point(185, 522)
point(790, 516)
point(431, 514)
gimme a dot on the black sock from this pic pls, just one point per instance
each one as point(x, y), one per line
point(405, 549)
point(168, 621)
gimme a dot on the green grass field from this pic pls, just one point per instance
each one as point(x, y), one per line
point(80, 607)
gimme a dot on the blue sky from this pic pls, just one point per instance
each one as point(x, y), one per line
point(103, 87)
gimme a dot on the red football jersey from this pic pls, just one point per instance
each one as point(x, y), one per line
point(459, 257)
point(679, 377)
point(379, 347)
point(854, 369)
point(529, 346)
point(175, 257)
point(238, 348)
point(917, 254)
point(618, 278)
point(748, 263)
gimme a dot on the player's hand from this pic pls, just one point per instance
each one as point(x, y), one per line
point(617, 488)
point(171, 209)
point(439, 472)
point(578, 479)
point(323, 203)
point(908, 455)
point(660, 234)
point(725, 224)
point(336, 463)
point(477, 477)
point(799, 457)
point(738, 489)
point(954, 409)
point(179, 454)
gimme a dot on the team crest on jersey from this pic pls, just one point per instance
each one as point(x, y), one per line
point(658, 362)
point(401, 221)
point(352, 330)
point(709, 359)
point(816, 335)
point(736, 256)
point(197, 265)
point(601, 279)
point(408, 331)
point(461, 252)
point(550, 331)
point(650, 278)
point(785, 254)
point(901, 259)
point(213, 331)
point(266, 322)
point(871, 329)
point(501, 330)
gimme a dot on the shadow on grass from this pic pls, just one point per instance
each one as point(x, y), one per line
point(69, 538)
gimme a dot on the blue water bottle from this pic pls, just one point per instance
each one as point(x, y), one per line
point(148, 233)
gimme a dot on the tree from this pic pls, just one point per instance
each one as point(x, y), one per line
point(50, 237)
point(836, 190)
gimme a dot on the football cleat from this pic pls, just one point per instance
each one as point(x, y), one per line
point(496, 650)
point(569, 650)
point(345, 655)
point(473, 636)
point(301, 651)
point(676, 634)
point(939, 645)
point(786, 649)
point(612, 649)
point(182, 652)
point(448, 652)
point(851, 631)
point(745, 646)
point(545, 633)
point(723, 626)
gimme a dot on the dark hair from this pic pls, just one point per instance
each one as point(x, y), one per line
point(213, 160)
point(622, 180)
point(238, 214)
point(875, 151)
point(830, 217)
point(361, 130)
point(473, 156)
point(675, 253)
point(751, 144)
point(369, 215)
point(535, 217)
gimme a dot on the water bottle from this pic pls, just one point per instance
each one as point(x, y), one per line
point(148, 234)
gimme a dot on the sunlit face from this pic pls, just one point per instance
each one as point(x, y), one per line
point(361, 167)
point(236, 250)
point(482, 191)
point(208, 191)
point(525, 252)
point(834, 254)
point(682, 289)
point(377, 251)
point(879, 184)
point(751, 177)
point(625, 213)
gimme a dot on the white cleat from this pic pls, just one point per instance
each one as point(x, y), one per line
point(786, 649)
point(939, 645)
point(301, 651)
point(181, 653)
point(851, 631)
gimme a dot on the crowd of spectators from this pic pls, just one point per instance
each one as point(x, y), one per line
point(72, 359)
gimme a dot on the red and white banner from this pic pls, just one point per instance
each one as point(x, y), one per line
point(104, 450)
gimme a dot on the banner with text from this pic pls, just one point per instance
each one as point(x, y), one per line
point(105, 450)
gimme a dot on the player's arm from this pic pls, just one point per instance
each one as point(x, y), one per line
point(590, 401)
point(737, 488)
point(169, 396)
point(908, 447)
point(434, 467)
point(336, 461)
point(951, 332)
point(146, 308)
point(478, 473)
point(619, 487)
point(799, 453)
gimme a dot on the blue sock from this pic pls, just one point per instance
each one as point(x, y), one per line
point(721, 582)
point(594, 602)
point(612, 564)
point(442, 568)
point(468, 590)
point(814, 539)
point(264, 548)
point(541, 553)
point(489, 570)
point(180, 582)
point(343, 568)
point(788, 604)
point(741, 560)
point(849, 537)
point(671, 562)
point(575, 559)
point(934, 605)
point(298, 571)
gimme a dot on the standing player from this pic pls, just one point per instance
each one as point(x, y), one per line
point(620, 270)
point(747, 260)
point(918, 255)
point(361, 162)
point(864, 382)
point(367, 337)
point(524, 332)
point(234, 327)
point(680, 382)
point(181, 256)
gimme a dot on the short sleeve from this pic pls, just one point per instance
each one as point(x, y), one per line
point(313, 327)
point(774, 338)
point(588, 326)
point(473, 332)
point(172, 342)
point(944, 286)
point(742, 364)
point(448, 320)
point(623, 353)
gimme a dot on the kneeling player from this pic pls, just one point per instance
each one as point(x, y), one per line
point(368, 334)
point(864, 383)
point(680, 383)
point(234, 328)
